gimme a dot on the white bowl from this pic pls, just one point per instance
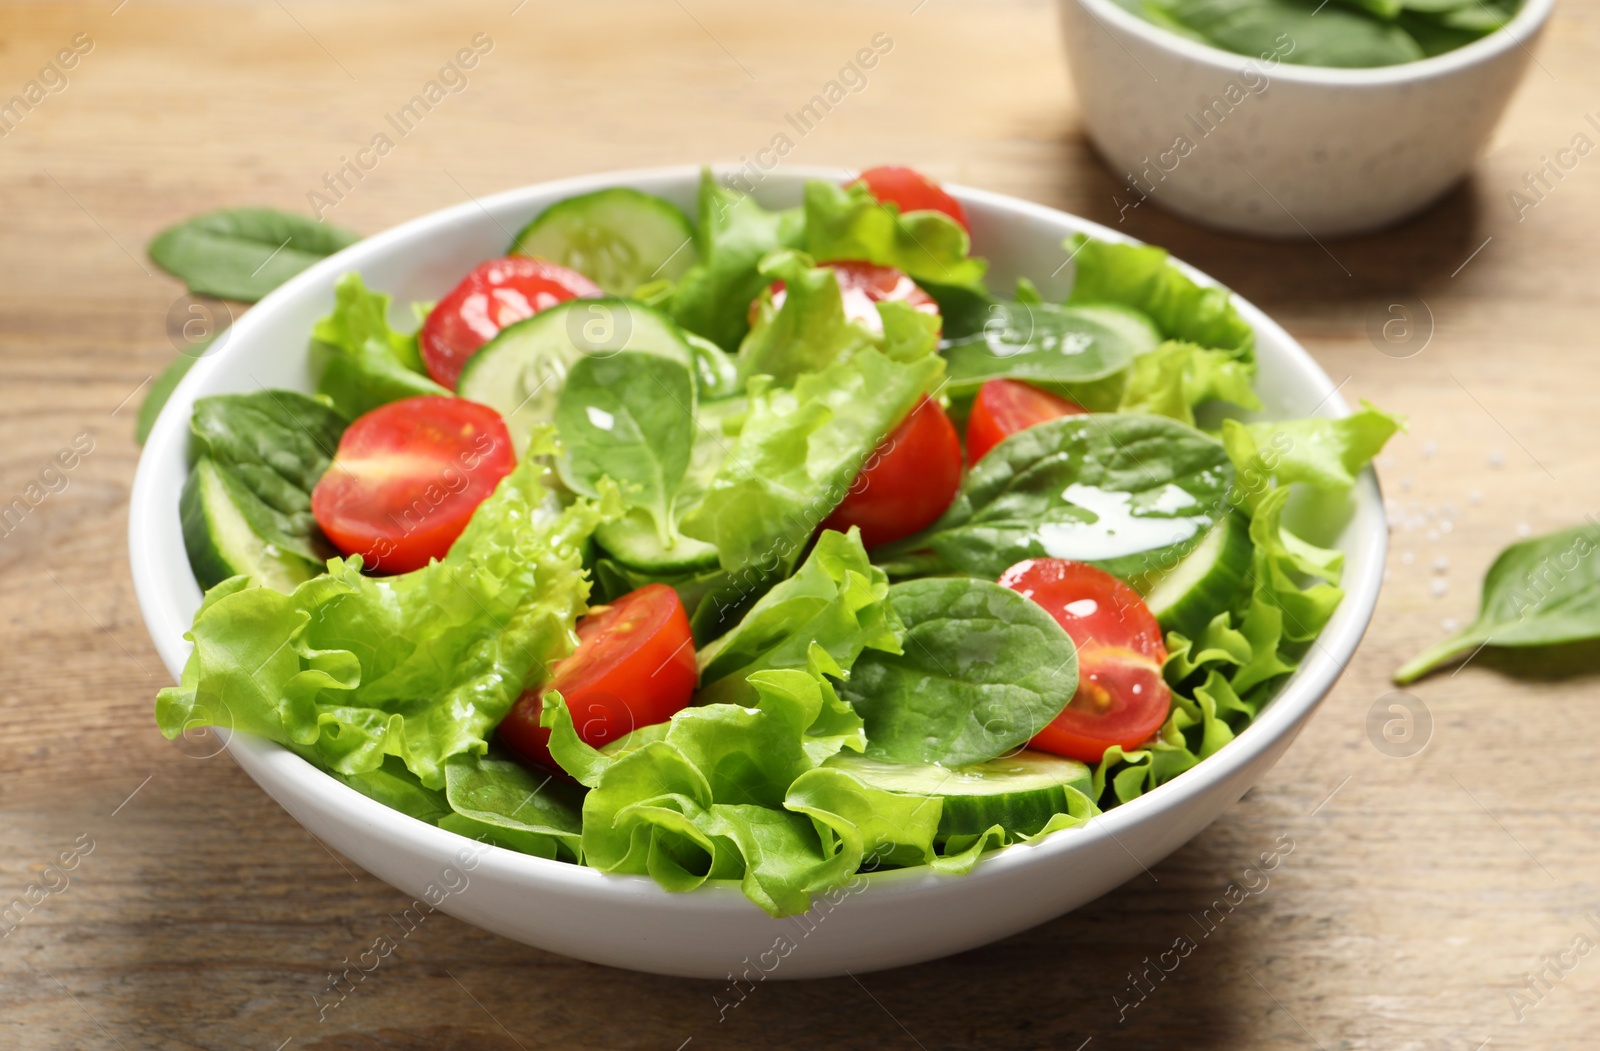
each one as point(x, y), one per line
point(1292, 151)
point(890, 918)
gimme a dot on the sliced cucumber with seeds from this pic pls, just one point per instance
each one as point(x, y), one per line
point(618, 238)
point(1204, 582)
point(1020, 792)
point(521, 371)
point(634, 541)
point(227, 531)
point(1132, 325)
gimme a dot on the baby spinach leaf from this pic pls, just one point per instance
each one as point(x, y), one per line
point(499, 801)
point(629, 417)
point(1542, 591)
point(982, 669)
point(1041, 343)
point(1330, 35)
point(1123, 491)
point(244, 253)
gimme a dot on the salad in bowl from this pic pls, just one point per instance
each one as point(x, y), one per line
point(770, 546)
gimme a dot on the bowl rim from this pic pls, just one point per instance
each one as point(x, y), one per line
point(1296, 699)
point(1519, 32)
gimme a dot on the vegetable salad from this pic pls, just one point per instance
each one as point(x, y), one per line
point(767, 546)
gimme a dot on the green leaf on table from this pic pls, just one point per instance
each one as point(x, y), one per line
point(365, 362)
point(980, 671)
point(732, 235)
point(848, 222)
point(1543, 591)
point(244, 253)
point(1124, 491)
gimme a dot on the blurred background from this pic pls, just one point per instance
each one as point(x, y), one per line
point(1426, 880)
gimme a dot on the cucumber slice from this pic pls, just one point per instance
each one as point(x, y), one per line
point(1204, 582)
point(521, 370)
point(618, 238)
point(1132, 325)
point(1020, 792)
point(227, 531)
point(634, 541)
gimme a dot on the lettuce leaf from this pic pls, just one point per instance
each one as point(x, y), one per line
point(365, 363)
point(734, 792)
point(1142, 277)
point(713, 297)
point(1177, 376)
point(348, 669)
point(797, 454)
point(847, 222)
point(1325, 454)
point(837, 601)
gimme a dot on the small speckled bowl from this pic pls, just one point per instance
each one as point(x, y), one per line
point(1260, 146)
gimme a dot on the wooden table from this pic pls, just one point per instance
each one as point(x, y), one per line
point(198, 915)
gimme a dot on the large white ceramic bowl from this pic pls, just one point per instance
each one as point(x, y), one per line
point(1264, 147)
point(895, 917)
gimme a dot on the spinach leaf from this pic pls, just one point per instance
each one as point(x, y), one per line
point(1323, 35)
point(365, 363)
point(837, 600)
point(499, 801)
point(629, 417)
point(982, 670)
point(713, 297)
point(1126, 492)
point(1543, 591)
point(244, 253)
point(260, 454)
point(1044, 344)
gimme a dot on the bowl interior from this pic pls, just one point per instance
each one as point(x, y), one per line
point(424, 258)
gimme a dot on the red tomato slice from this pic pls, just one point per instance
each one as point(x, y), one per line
point(862, 285)
point(407, 477)
point(913, 192)
point(493, 296)
point(1122, 698)
point(908, 480)
point(634, 666)
point(1004, 407)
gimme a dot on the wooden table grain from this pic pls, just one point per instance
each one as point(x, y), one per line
point(175, 906)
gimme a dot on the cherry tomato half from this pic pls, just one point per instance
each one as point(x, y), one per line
point(1004, 407)
point(907, 482)
point(407, 477)
point(493, 296)
point(861, 286)
point(913, 192)
point(1122, 698)
point(634, 666)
